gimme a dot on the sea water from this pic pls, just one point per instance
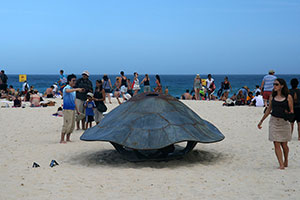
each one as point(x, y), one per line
point(177, 84)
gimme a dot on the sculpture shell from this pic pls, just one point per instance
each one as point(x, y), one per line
point(151, 121)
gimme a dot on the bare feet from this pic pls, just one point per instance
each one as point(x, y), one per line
point(63, 142)
point(285, 163)
point(281, 167)
point(69, 141)
point(299, 138)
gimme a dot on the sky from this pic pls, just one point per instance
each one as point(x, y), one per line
point(151, 36)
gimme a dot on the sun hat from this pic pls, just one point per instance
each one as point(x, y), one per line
point(271, 71)
point(86, 73)
point(90, 94)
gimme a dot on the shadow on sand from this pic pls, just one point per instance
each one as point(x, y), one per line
point(112, 158)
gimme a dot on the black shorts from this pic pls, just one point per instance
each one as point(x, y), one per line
point(89, 118)
point(107, 90)
point(297, 114)
point(49, 95)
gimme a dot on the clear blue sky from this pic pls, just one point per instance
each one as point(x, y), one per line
point(153, 36)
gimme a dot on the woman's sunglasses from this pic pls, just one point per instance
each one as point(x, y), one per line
point(275, 84)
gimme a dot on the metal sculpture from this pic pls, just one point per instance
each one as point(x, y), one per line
point(148, 126)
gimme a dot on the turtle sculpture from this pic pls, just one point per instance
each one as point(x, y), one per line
point(147, 126)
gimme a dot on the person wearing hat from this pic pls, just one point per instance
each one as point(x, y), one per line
point(267, 86)
point(81, 97)
point(197, 86)
point(89, 106)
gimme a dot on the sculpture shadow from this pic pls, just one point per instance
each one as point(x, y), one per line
point(112, 158)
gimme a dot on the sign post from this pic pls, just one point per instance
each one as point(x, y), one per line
point(22, 78)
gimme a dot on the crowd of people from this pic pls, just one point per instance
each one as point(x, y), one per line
point(84, 103)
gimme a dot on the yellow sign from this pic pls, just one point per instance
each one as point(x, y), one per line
point(203, 81)
point(22, 77)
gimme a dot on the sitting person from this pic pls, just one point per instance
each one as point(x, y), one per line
point(240, 99)
point(233, 97)
point(27, 95)
point(249, 98)
point(186, 95)
point(17, 101)
point(35, 99)
point(49, 92)
point(258, 100)
point(11, 90)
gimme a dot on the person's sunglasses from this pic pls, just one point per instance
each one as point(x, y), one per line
point(275, 84)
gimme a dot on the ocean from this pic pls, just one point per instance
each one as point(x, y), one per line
point(177, 84)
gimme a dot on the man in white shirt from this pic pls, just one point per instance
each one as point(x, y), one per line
point(258, 100)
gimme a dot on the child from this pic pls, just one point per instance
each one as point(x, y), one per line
point(89, 113)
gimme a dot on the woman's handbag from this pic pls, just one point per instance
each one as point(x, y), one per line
point(101, 107)
point(289, 116)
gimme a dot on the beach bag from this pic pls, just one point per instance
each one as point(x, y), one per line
point(289, 116)
point(101, 107)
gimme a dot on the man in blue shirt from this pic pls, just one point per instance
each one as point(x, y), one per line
point(267, 86)
point(62, 82)
point(69, 107)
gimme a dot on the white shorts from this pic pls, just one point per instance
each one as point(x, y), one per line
point(123, 89)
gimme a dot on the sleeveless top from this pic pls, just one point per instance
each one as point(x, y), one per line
point(106, 85)
point(197, 83)
point(124, 82)
point(279, 107)
point(136, 83)
point(146, 82)
point(226, 86)
point(98, 95)
point(295, 93)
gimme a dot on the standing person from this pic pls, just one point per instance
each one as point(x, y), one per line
point(107, 86)
point(158, 84)
point(62, 82)
point(166, 90)
point(280, 102)
point(99, 99)
point(146, 82)
point(129, 89)
point(197, 86)
point(210, 86)
point(89, 105)
point(136, 84)
point(124, 85)
point(3, 80)
point(25, 87)
point(295, 93)
point(81, 97)
point(226, 87)
point(69, 107)
point(267, 86)
point(116, 87)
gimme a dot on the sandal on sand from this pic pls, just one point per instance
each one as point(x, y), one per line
point(35, 165)
point(53, 163)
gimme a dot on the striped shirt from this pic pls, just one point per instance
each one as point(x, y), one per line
point(268, 82)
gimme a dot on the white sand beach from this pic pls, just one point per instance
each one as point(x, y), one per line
point(242, 166)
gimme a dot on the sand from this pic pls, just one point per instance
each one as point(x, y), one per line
point(243, 166)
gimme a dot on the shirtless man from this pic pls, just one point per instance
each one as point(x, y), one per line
point(187, 95)
point(49, 92)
